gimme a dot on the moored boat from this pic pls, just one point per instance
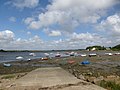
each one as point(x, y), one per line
point(58, 55)
point(7, 65)
point(19, 58)
point(32, 54)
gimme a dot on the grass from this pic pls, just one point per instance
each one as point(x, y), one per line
point(8, 76)
point(15, 69)
point(110, 85)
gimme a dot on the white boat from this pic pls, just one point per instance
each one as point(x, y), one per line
point(58, 55)
point(19, 58)
point(72, 54)
point(83, 55)
point(29, 59)
point(117, 53)
point(110, 54)
point(93, 54)
point(51, 53)
point(7, 65)
point(32, 54)
point(46, 54)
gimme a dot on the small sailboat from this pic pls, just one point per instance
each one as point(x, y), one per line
point(110, 54)
point(72, 54)
point(28, 59)
point(44, 58)
point(19, 58)
point(83, 55)
point(32, 54)
point(7, 65)
point(92, 54)
point(85, 62)
point(46, 54)
point(58, 55)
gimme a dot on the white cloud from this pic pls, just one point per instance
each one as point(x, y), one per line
point(69, 14)
point(6, 37)
point(111, 25)
point(53, 33)
point(88, 39)
point(24, 3)
point(75, 41)
point(28, 20)
point(12, 19)
point(66, 16)
point(29, 33)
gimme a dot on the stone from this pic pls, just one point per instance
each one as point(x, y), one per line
point(98, 80)
point(81, 77)
point(91, 79)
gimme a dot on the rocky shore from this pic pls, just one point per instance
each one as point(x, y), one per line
point(101, 68)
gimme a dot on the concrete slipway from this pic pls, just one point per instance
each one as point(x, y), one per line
point(52, 78)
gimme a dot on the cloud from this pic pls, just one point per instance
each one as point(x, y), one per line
point(110, 29)
point(69, 14)
point(24, 3)
point(6, 37)
point(74, 41)
point(52, 33)
point(12, 19)
point(28, 20)
point(63, 18)
point(29, 33)
point(111, 25)
point(79, 41)
point(55, 33)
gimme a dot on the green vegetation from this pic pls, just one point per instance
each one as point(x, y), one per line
point(15, 69)
point(96, 48)
point(117, 47)
point(110, 85)
point(2, 50)
point(8, 76)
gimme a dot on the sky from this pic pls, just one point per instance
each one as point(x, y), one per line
point(58, 24)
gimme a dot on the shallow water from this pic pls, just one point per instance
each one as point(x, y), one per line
point(11, 56)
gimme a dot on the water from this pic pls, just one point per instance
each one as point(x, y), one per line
point(11, 56)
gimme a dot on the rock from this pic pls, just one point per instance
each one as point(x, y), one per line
point(89, 73)
point(117, 77)
point(101, 78)
point(70, 70)
point(95, 80)
point(98, 80)
point(81, 77)
point(112, 78)
point(75, 74)
point(91, 79)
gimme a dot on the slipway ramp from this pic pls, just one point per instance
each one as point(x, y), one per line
point(52, 78)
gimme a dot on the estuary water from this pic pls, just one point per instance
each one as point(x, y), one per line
point(11, 56)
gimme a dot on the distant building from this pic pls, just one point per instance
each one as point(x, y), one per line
point(93, 49)
point(108, 48)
